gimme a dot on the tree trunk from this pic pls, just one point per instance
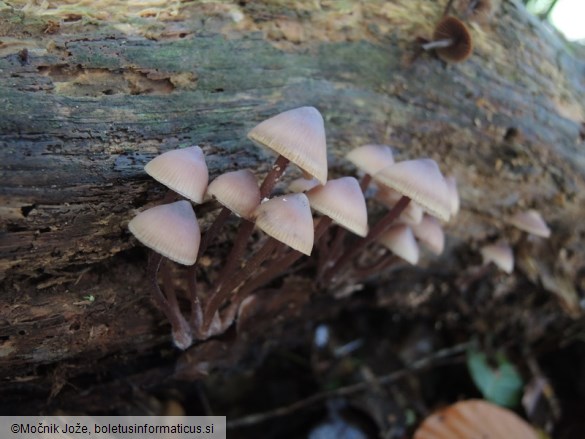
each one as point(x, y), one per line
point(85, 104)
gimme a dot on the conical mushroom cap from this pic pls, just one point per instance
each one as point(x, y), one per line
point(531, 221)
point(342, 200)
point(170, 230)
point(412, 214)
point(500, 254)
point(298, 135)
point(474, 419)
point(182, 170)
point(400, 239)
point(238, 191)
point(303, 184)
point(288, 219)
point(421, 181)
point(371, 158)
point(430, 233)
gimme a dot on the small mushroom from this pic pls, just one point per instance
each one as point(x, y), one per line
point(530, 221)
point(451, 40)
point(286, 219)
point(181, 170)
point(400, 240)
point(420, 180)
point(303, 184)
point(237, 191)
point(172, 231)
point(343, 201)
point(279, 265)
point(412, 214)
point(430, 233)
point(370, 159)
point(298, 136)
point(500, 254)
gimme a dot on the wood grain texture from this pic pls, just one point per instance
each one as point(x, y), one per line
point(90, 102)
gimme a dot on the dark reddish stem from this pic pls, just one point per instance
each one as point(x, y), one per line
point(273, 176)
point(196, 318)
point(234, 281)
point(226, 280)
point(169, 305)
point(236, 252)
point(213, 229)
point(170, 197)
point(278, 266)
point(383, 263)
point(247, 227)
point(365, 182)
point(375, 232)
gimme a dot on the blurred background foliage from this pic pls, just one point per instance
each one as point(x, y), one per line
point(565, 15)
point(541, 8)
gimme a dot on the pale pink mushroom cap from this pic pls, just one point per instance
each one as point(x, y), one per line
point(371, 158)
point(182, 170)
point(430, 233)
point(500, 254)
point(238, 191)
point(421, 181)
point(453, 194)
point(288, 219)
point(342, 200)
point(412, 214)
point(400, 240)
point(298, 135)
point(170, 230)
point(474, 419)
point(303, 184)
point(531, 221)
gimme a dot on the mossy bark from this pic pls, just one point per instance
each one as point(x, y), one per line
point(84, 104)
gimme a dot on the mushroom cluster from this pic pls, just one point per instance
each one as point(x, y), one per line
point(414, 191)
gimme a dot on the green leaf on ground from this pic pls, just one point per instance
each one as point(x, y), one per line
point(500, 384)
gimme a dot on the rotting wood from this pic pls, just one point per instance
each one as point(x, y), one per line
point(89, 105)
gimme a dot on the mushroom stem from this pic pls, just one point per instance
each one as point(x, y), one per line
point(365, 182)
point(196, 316)
point(211, 232)
point(379, 228)
point(169, 306)
point(222, 293)
point(246, 227)
point(438, 44)
point(273, 176)
point(278, 266)
point(381, 264)
point(472, 277)
point(236, 252)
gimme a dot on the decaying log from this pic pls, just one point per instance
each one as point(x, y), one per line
point(84, 104)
